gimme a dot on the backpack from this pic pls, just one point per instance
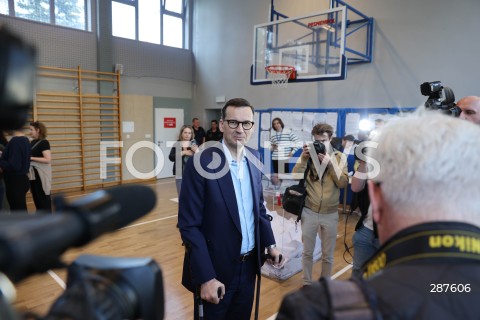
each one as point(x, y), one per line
point(293, 199)
point(350, 300)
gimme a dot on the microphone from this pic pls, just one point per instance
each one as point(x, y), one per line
point(31, 244)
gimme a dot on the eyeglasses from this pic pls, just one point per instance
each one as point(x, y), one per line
point(233, 124)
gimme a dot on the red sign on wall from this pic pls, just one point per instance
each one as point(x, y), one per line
point(169, 122)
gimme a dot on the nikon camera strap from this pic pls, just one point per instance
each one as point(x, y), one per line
point(433, 243)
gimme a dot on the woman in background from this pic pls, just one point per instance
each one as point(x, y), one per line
point(284, 144)
point(181, 152)
point(15, 163)
point(41, 169)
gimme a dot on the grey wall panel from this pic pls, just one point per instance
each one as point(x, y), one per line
point(57, 46)
point(142, 59)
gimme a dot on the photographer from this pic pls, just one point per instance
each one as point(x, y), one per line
point(320, 214)
point(427, 266)
point(470, 109)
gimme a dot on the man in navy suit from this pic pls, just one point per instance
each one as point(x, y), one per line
point(223, 221)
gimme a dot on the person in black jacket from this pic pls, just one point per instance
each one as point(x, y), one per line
point(214, 133)
point(15, 163)
point(3, 203)
point(198, 131)
point(424, 200)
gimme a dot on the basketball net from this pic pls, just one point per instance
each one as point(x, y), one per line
point(279, 75)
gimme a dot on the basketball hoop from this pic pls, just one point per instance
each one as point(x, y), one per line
point(280, 74)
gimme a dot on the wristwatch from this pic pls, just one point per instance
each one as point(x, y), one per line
point(271, 246)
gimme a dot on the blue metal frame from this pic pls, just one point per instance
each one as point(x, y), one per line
point(352, 26)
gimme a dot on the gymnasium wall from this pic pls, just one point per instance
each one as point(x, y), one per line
point(152, 70)
point(56, 46)
point(152, 73)
point(414, 42)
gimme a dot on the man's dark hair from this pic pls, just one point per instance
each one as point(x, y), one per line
point(194, 119)
point(236, 102)
point(321, 128)
point(215, 121)
point(279, 121)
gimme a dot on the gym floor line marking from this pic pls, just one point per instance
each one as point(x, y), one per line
point(336, 275)
point(57, 279)
point(339, 273)
point(147, 222)
point(74, 196)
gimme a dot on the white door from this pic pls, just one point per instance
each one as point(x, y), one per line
point(167, 127)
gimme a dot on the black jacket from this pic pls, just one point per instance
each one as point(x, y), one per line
point(408, 288)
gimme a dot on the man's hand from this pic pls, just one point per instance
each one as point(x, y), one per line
point(326, 158)
point(209, 291)
point(275, 259)
point(305, 152)
point(359, 179)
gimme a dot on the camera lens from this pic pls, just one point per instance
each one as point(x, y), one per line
point(319, 147)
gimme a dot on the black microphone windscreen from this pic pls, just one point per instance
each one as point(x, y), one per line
point(30, 244)
point(116, 208)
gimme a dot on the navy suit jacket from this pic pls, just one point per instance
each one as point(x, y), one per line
point(209, 221)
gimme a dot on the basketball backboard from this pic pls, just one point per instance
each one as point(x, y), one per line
point(314, 44)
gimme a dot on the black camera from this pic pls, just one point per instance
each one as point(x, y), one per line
point(107, 288)
point(319, 147)
point(17, 80)
point(111, 288)
point(440, 98)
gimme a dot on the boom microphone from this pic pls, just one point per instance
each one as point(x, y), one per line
point(30, 244)
point(111, 209)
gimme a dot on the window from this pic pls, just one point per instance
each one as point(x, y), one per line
point(149, 21)
point(67, 13)
point(70, 14)
point(154, 21)
point(4, 7)
point(33, 10)
point(172, 31)
point(173, 5)
point(123, 20)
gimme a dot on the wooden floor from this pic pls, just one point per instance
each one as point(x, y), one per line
point(155, 235)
